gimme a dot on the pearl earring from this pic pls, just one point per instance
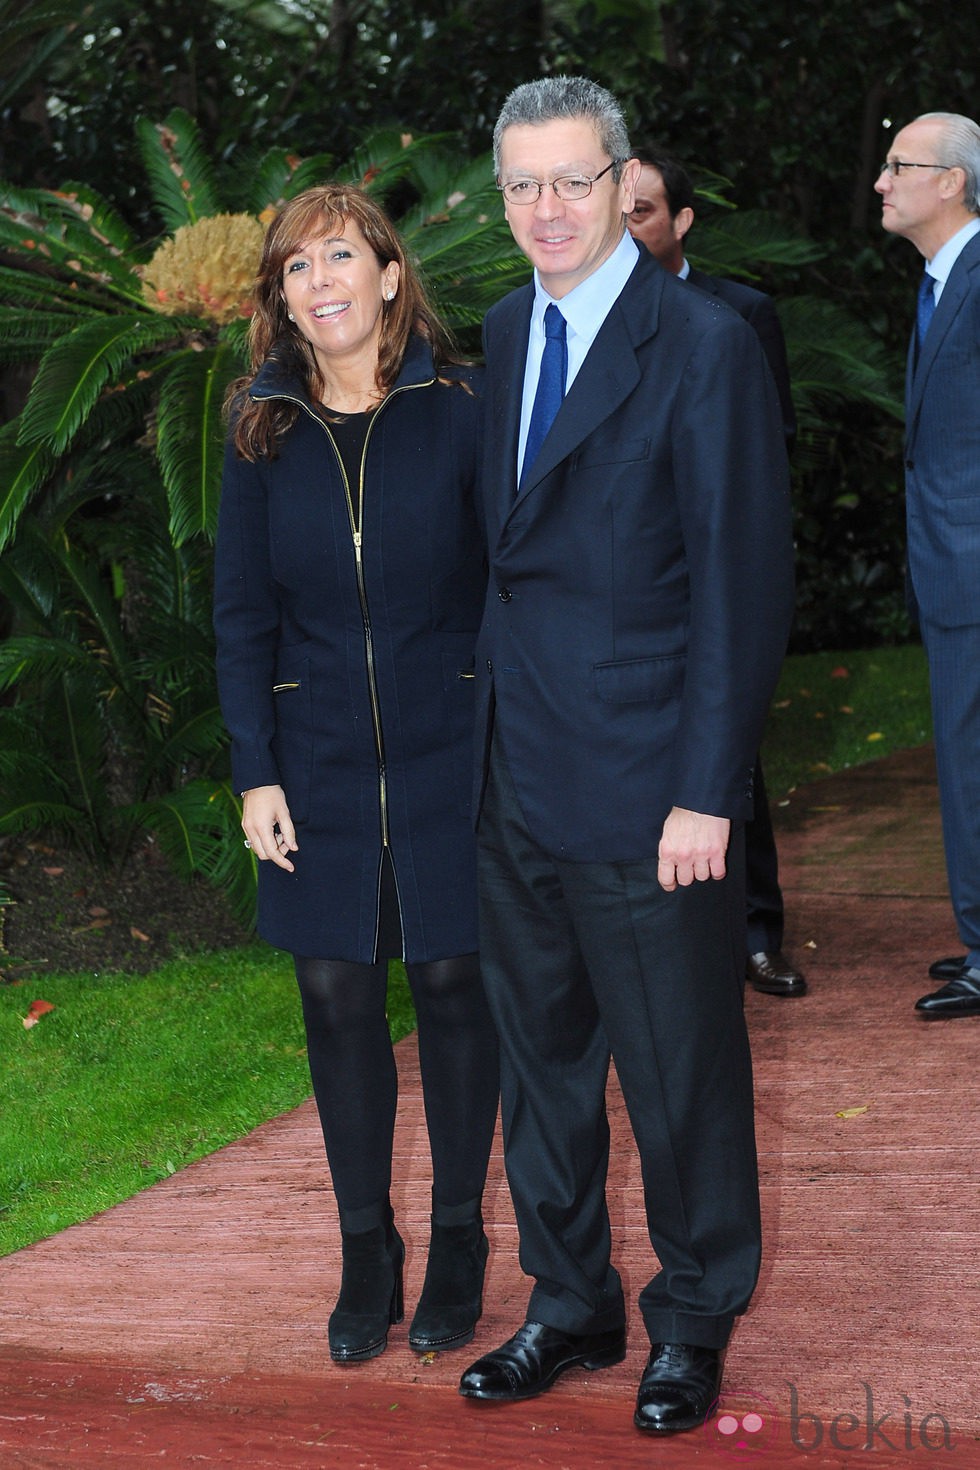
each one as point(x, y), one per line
point(290, 315)
point(389, 295)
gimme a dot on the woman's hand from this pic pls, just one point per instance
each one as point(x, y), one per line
point(268, 826)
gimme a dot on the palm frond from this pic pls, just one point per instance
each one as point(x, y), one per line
point(198, 827)
point(32, 809)
point(55, 231)
point(190, 438)
point(28, 334)
point(32, 791)
point(836, 358)
point(385, 159)
point(75, 370)
point(23, 467)
point(68, 296)
point(280, 175)
point(27, 656)
point(101, 221)
point(201, 738)
point(178, 168)
point(746, 238)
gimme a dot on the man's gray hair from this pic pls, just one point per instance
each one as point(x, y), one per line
point(551, 98)
point(961, 149)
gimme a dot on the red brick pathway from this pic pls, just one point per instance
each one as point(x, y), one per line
point(186, 1327)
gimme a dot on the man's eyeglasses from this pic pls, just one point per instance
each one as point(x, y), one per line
point(568, 188)
point(894, 166)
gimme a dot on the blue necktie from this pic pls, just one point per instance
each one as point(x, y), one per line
point(551, 386)
point(925, 309)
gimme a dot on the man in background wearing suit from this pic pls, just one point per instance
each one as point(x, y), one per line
point(662, 215)
point(930, 194)
point(636, 498)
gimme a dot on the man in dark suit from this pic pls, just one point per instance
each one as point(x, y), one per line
point(930, 194)
point(663, 213)
point(639, 604)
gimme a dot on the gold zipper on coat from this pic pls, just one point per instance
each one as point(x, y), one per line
point(356, 519)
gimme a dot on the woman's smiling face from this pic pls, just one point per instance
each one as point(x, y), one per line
point(334, 288)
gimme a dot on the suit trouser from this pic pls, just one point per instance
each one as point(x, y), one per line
point(764, 898)
point(580, 959)
point(954, 679)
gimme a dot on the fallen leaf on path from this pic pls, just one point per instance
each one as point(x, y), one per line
point(852, 1112)
point(840, 672)
point(35, 1011)
point(138, 934)
point(98, 913)
point(876, 736)
point(53, 872)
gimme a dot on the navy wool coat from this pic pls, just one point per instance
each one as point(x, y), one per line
point(345, 671)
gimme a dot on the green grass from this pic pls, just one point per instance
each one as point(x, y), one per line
point(836, 710)
point(130, 1078)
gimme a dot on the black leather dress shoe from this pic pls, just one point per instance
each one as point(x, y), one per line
point(948, 969)
point(959, 997)
point(530, 1361)
point(679, 1388)
point(771, 972)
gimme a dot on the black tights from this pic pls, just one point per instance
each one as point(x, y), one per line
point(356, 1084)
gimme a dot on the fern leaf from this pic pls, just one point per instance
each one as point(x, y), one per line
point(198, 826)
point(190, 438)
point(64, 230)
point(23, 467)
point(74, 372)
point(279, 175)
point(178, 168)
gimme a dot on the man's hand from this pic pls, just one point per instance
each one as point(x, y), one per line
point(692, 848)
point(268, 826)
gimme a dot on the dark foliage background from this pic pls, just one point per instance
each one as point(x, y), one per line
point(792, 103)
point(108, 718)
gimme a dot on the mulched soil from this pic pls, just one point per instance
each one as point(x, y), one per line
point(69, 914)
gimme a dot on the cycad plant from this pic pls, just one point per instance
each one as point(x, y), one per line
point(110, 474)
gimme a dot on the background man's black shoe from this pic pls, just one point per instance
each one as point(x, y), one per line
point(948, 969)
point(771, 972)
point(960, 997)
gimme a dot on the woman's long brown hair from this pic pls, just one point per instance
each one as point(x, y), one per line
point(317, 211)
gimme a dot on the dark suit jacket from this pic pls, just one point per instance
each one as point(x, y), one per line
point(942, 452)
point(759, 310)
point(641, 582)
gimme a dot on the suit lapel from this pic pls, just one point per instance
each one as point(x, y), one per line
point(955, 292)
point(608, 375)
point(508, 357)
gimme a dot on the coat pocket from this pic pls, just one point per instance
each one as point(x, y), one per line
point(459, 687)
point(640, 680)
point(293, 741)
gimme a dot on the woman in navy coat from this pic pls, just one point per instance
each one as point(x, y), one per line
point(349, 584)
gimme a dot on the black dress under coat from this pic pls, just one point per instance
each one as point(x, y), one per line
point(355, 692)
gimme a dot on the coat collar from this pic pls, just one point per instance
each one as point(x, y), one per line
point(280, 379)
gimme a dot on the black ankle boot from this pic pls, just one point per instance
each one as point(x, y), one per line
point(452, 1294)
point(371, 1296)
